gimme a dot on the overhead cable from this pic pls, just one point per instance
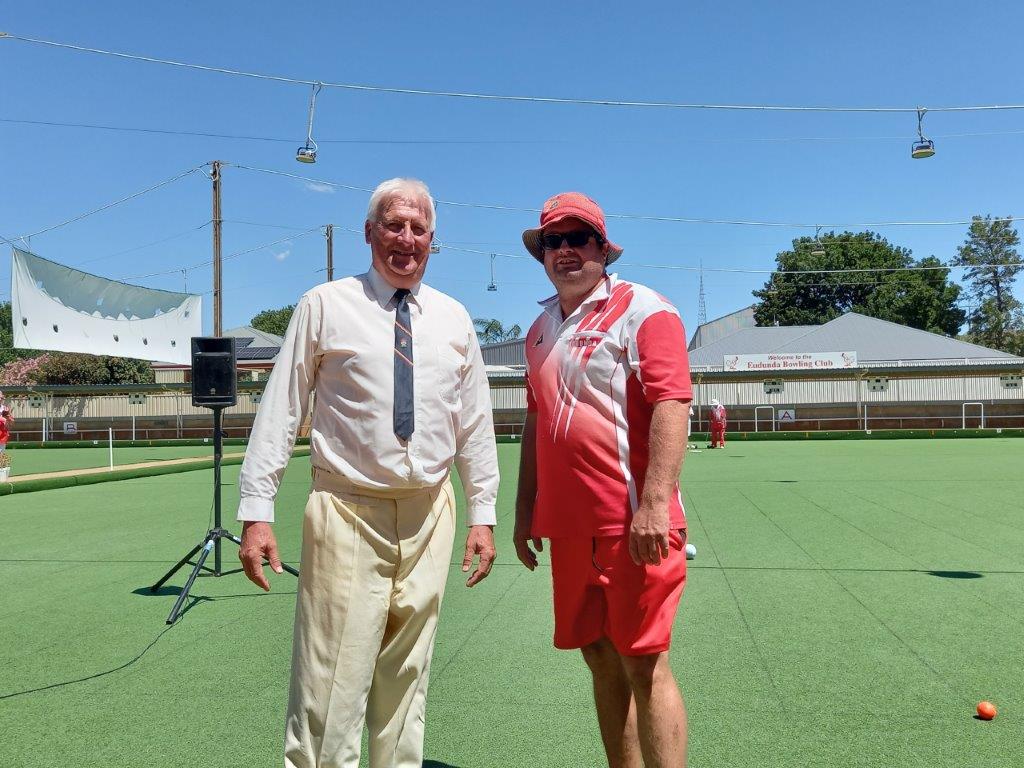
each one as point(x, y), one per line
point(235, 255)
point(682, 139)
point(502, 97)
point(116, 202)
point(631, 216)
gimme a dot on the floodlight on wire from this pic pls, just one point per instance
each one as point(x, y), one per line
point(307, 154)
point(923, 147)
point(817, 249)
point(493, 286)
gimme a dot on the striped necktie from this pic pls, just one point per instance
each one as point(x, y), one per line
point(403, 415)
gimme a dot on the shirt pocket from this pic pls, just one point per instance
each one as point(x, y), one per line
point(449, 375)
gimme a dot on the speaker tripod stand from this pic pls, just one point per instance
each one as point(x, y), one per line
point(212, 541)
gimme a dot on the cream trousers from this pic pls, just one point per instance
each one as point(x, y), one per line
point(374, 567)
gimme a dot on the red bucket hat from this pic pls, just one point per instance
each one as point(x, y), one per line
point(563, 206)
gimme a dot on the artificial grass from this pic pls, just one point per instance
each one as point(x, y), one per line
point(37, 460)
point(850, 603)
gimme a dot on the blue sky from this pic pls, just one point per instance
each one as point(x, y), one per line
point(790, 167)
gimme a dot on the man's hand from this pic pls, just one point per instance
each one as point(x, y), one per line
point(648, 535)
point(258, 542)
point(480, 541)
point(521, 539)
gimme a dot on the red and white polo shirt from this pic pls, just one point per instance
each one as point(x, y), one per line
point(592, 380)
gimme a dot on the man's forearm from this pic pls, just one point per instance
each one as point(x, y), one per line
point(527, 491)
point(667, 448)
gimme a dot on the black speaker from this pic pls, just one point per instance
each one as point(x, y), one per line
point(214, 375)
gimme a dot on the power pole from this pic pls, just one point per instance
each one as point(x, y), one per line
point(702, 309)
point(217, 285)
point(330, 252)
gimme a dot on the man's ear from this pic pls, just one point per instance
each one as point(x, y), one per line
point(366, 230)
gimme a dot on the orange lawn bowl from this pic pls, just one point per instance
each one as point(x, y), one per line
point(986, 710)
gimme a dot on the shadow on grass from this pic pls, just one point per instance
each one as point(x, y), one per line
point(437, 764)
point(956, 574)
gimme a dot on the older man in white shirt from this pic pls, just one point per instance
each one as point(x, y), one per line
point(401, 395)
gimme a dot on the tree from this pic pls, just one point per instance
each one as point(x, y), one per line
point(993, 263)
point(21, 373)
point(29, 366)
point(491, 331)
point(273, 321)
point(923, 298)
point(69, 368)
point(7, 352)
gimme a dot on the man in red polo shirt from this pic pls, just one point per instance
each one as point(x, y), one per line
point(6, 419)
point(718, 418)
point(608, 392)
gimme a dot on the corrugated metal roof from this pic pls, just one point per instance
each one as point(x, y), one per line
point(505, 352)
point(721, 327)
point(254, 337)
point(872, 339)
point(752, 341)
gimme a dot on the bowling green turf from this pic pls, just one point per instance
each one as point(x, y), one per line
point(30, 461)
point(849, 605)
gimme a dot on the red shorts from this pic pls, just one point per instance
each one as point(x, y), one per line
point(600, 592)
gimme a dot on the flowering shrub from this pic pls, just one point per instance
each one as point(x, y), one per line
point(22, 372)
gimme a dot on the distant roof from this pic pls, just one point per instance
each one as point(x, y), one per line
point(257, 353)
point(252, 337)
point(712, 331)
point(875, 341)
point(251, 345)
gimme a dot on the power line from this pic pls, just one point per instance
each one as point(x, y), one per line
point(469, 141)
point(502, 97)
point(235, 255)
point(147, 245)
point(116, 202)
point(632, 216)
point(678, 267)
point(744, 271)
point(282, 140)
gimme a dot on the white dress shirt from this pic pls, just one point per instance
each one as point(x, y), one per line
point(340, 342)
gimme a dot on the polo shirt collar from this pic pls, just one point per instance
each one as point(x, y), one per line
point(601, 292)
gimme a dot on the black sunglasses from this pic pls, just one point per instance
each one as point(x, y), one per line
point(576, 239)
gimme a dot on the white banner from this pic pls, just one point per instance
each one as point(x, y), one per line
point(786, 414)
point(63, 309)
point(791, 361)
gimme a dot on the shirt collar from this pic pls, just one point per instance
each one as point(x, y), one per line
point(384, 291)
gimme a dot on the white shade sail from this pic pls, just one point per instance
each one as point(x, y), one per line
point(58, 308)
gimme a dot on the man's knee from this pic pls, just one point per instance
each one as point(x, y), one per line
point(602, 658)
point(646, 671)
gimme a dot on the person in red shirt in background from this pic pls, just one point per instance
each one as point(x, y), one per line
point(6, 419)
point(608, 393)
point(718, 418)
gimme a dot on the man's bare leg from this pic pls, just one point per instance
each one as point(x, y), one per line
point(660, 712)
point(616, 711)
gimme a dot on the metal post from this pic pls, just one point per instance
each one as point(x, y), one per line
point(330, 252)
point(110, 438)
point(217, 285)
point(217, 453)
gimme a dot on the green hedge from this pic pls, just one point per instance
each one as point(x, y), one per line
point(875, 434)
point(138, 443)
point(67, 481)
